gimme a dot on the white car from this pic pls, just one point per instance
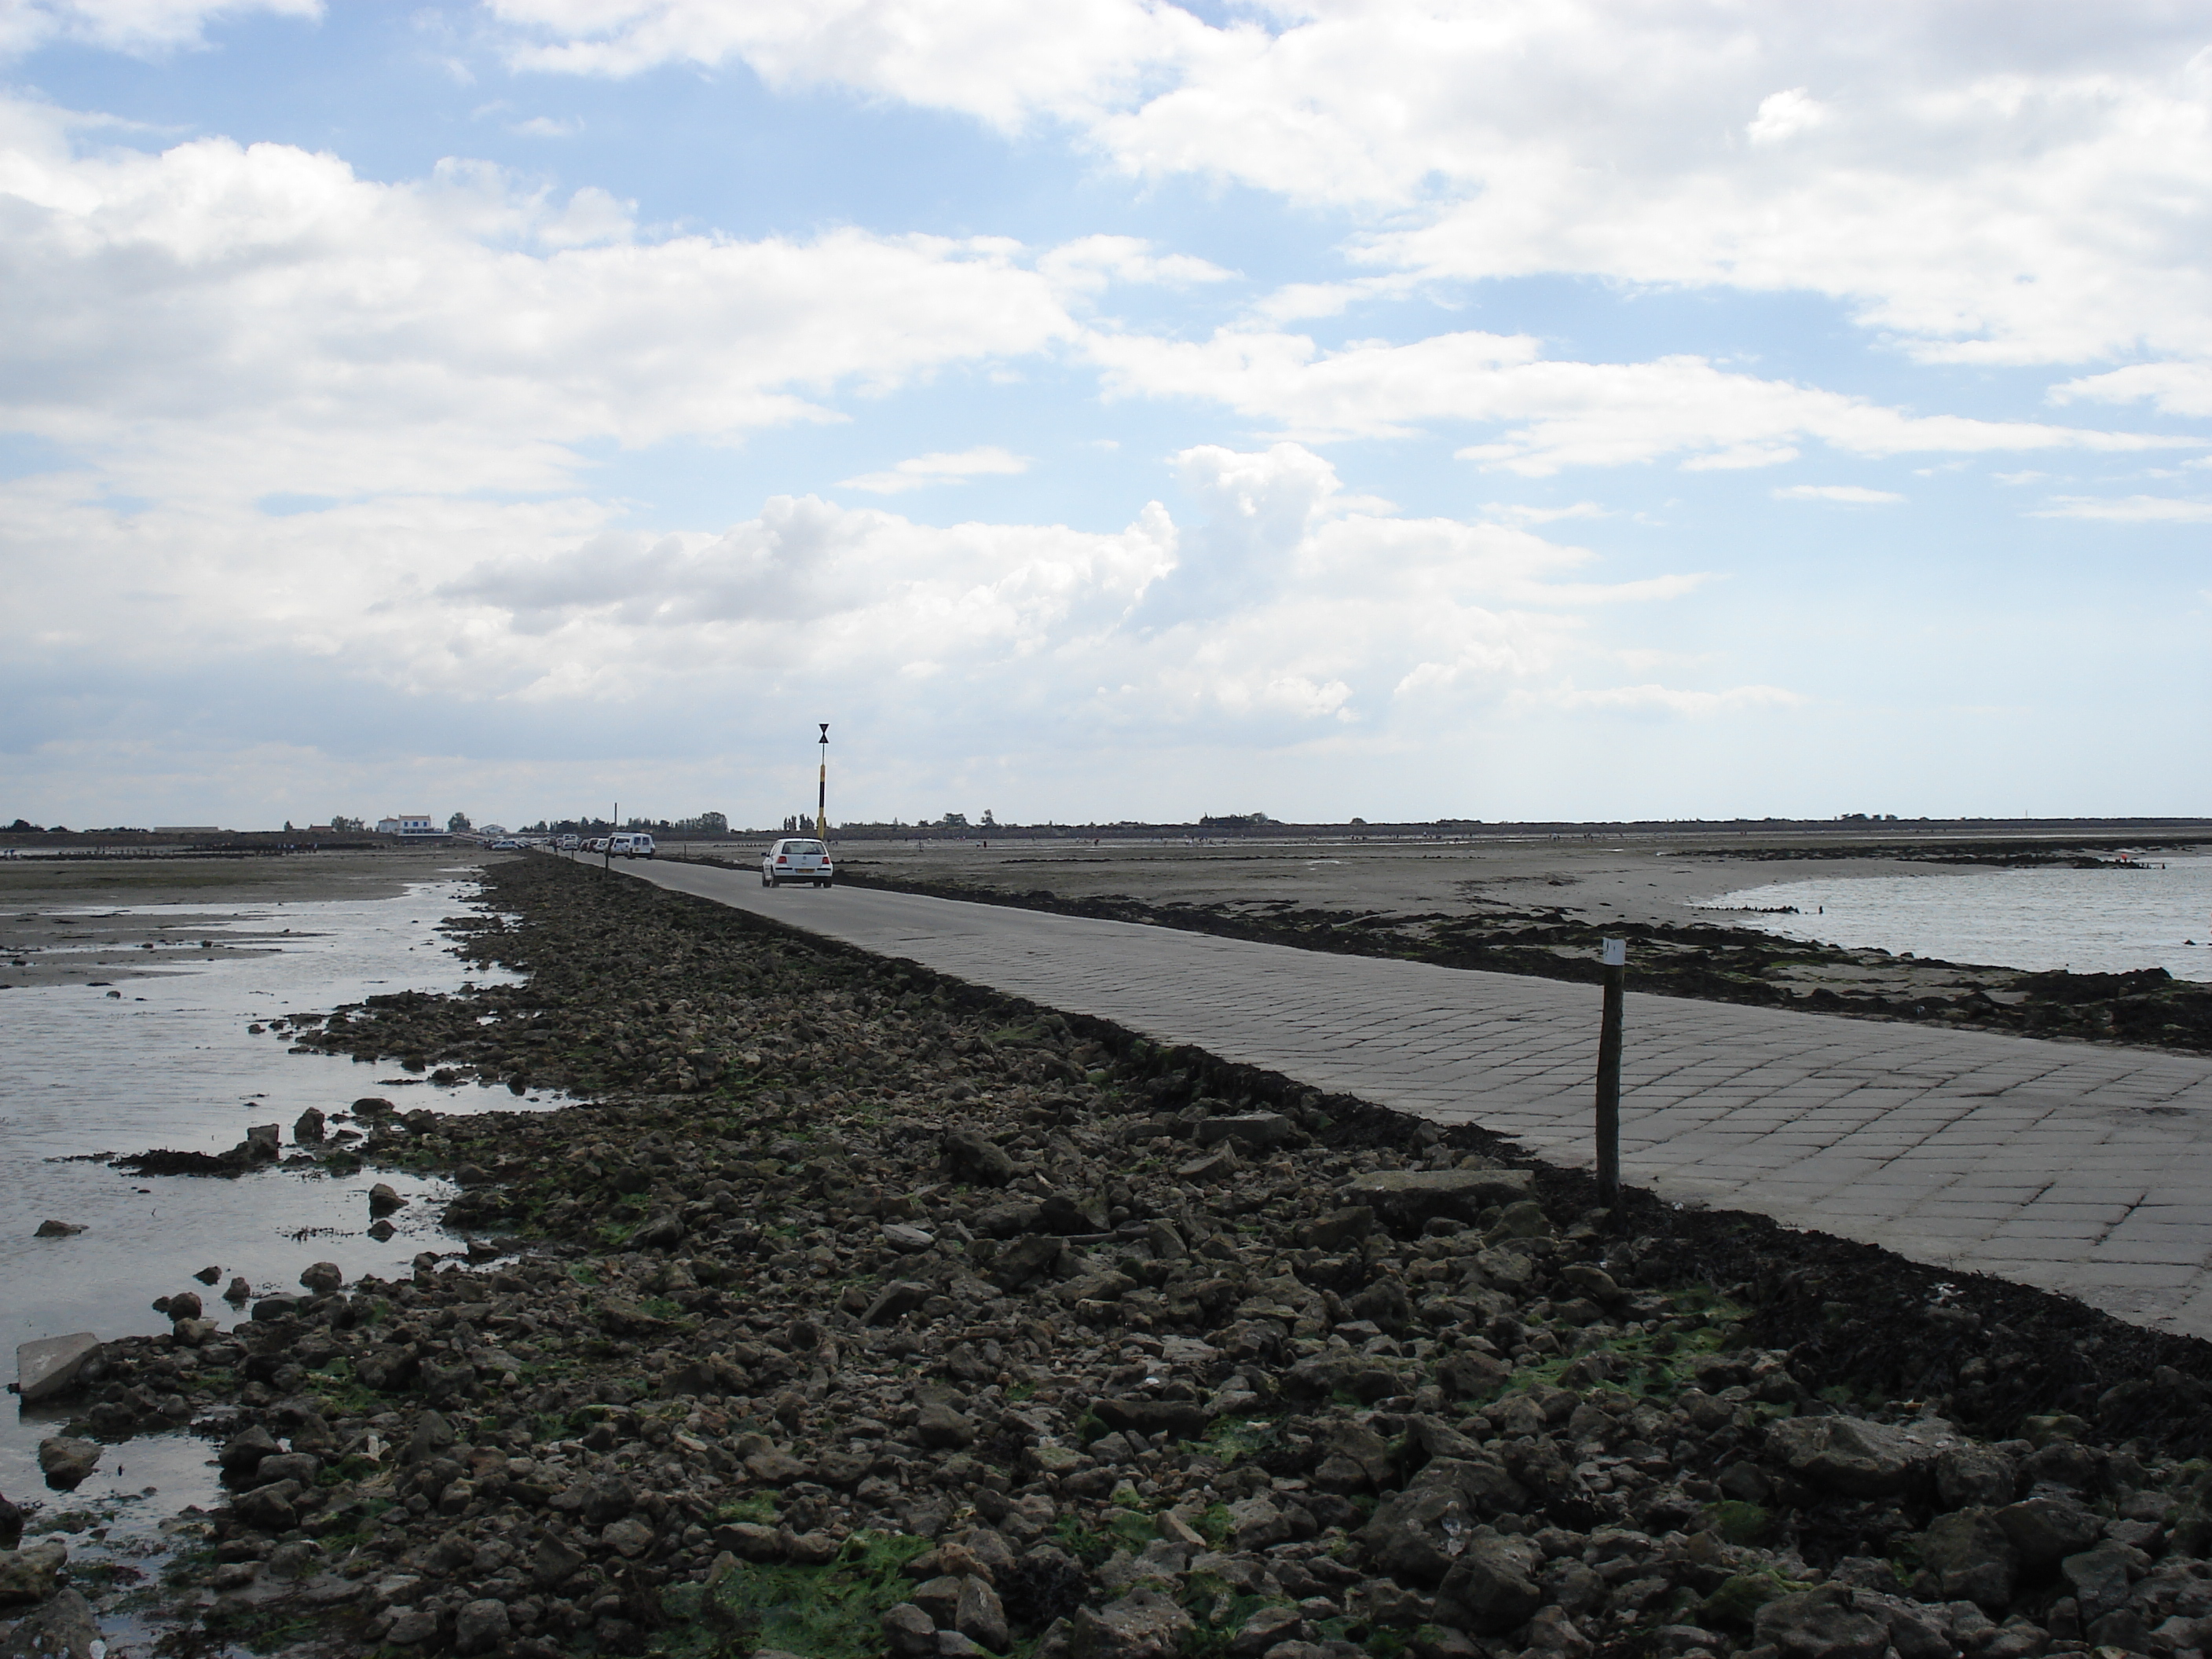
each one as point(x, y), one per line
point(506, 844)
point(631, 845)
point(797, 860)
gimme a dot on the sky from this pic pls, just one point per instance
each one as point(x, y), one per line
point(1104, 411)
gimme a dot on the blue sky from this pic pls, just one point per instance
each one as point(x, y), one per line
point(1111, 410)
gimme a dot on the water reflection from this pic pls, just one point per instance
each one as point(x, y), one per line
point(168, 1061)
point(2106, 920)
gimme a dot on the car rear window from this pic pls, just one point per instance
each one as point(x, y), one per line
point(803, 846)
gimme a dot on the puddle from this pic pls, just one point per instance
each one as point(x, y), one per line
point(169, 1062)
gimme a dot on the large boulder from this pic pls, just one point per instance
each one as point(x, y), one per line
point(978, 1615)
point(910, 1633)
point(2045, 1529)
point(972, 1157)
point(1972, 1474)
point(63, 1629)
point(2098, 1578)
point(480, 1627)
point(1407, 1198)
point(65, 1460)
point(1491, 1587)
point(54, 1365)
point(1857, 1458)
point(1966, 1557)
point(30, 1575)
point(1142, 1625)
point(1414, 1533)
point(1826, 1623)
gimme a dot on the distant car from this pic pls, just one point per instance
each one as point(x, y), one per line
point(631, 845)
point(506, 844)
point(797, 860)
point(568, 843)
point(597, 844)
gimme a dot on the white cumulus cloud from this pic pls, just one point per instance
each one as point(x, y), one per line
point(1555, 414)
point(258, 318)
point(141, 27)
point(2022, 185)
point(2127, 509)
point(918, 471)
point(1851, 494)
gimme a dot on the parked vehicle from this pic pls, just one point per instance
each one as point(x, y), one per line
point(506, 844)
point(631, 845)
point(789, 861)
point(568, 843)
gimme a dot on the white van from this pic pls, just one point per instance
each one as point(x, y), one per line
point(630, 846)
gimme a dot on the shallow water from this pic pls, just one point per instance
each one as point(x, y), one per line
point(2105, 920)
point(168, 1062)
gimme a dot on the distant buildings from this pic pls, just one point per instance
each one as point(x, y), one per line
point(408, 825)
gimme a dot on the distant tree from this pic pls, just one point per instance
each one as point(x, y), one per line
point(24, 827)
point(340, 821)
point(954, 820)
point(989, 823)
point(287, 823)
point(457, 824)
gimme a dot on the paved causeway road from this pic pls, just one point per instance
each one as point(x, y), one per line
point(2080, 1169)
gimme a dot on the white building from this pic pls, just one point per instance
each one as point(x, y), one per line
point(408, 824)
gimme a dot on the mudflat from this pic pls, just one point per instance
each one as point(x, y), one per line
point(1656, 880)
point(85, 921)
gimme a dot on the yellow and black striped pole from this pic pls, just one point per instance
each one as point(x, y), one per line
point(822, 788)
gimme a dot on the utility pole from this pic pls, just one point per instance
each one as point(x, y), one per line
point(822, 788)
point(1614, 957)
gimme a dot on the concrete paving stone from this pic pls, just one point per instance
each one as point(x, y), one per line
point(2088, 1279)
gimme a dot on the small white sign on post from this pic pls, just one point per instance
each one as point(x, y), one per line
point(1616, 953)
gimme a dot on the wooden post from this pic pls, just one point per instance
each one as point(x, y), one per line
point(1615, 959)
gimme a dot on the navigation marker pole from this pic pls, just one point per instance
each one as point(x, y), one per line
point(1614, 957)
point(822, 788)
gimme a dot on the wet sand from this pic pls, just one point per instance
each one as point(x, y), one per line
point(103, 921)
point(1656, 880)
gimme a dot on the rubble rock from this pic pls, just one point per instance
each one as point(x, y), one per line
point(1966, 1557)
point(30, 1575)
point(52, 1365)
point(1408, 1198)
point(65, 1461)
point(1491, 1588)
point(1853, 1456)
point(1142, 1625)
point(1826, 1623)
point(65, 1628)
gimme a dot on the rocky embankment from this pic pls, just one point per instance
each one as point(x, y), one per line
point(865, 1313)
point(1705, 960)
